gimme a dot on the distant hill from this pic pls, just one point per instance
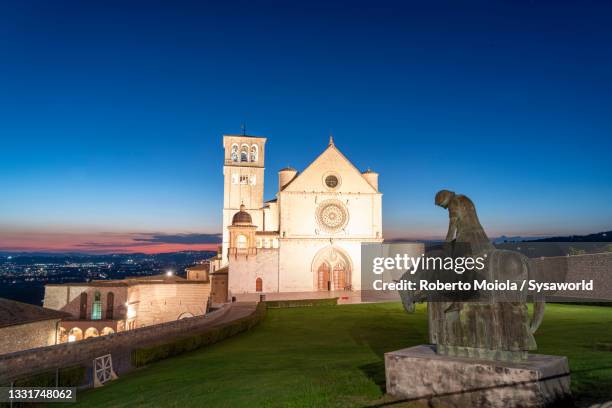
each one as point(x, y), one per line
point(598, 237)
point(561, 246)
point(503, 239)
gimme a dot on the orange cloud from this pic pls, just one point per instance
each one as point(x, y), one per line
point(29, 241)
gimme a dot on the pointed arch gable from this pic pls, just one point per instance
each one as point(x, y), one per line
point(331, 160)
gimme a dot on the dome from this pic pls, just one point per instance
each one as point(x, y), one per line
point(242, 217)
point(287, 169)
point(369, 171)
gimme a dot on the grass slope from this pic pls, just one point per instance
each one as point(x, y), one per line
point(333, 356)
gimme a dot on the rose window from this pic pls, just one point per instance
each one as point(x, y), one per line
point(332, 216)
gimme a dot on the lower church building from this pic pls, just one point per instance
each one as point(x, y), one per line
point(104, 307)
point(308, 238)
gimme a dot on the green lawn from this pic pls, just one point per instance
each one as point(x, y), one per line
point(333, 356)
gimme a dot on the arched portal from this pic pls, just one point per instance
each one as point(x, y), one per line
point(107, 330)
point(323, 277)
point(62, 335)
point(75, 334)
point(331, 269)
point(91, 332)
point(258, 285)
point(339, 277)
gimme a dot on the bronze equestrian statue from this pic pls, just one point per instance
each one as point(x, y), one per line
point(494, 326)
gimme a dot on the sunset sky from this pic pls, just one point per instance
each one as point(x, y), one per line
point(111, 114)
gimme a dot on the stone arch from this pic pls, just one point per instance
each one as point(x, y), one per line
point(62, 335)
point(106, 331)
point(184, 315)
point(332, 269)
point(91, 332)
point(75, 334)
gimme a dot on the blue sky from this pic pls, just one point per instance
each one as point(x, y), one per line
point(111, 115)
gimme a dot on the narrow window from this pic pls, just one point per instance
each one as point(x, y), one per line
point(110, 308)
point(258, 285)
point(234, 152)
point(83, 309)
point(244, 153)
point(254, 153)
point(96, 308)
point(241, 242)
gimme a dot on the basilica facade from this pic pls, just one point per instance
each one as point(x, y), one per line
point(306, 239)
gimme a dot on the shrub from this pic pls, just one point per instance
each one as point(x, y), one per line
point(146, 355)
point(68, 377)
point(277, 304)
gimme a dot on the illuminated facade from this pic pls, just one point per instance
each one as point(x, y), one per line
point(105, 307)
point(306, 239)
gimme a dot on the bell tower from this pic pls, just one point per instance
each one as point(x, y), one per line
point(243, 182)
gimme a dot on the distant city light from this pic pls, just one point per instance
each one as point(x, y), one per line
point(169, 273)
point(71, 338)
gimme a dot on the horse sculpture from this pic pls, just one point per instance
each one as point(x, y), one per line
point(492, 325)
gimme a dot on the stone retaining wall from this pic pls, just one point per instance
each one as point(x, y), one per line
point(120, 345)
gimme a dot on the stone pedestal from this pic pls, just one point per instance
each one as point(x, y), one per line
point(418, 373)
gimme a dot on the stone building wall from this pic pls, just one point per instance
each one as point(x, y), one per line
point(26, 336)
point(218, 288)
point(244, 271)
point(67, 298)
point(159, 303)
point(596, 267)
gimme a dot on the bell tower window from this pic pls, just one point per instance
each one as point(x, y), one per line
point(254, 153)
point(234, 152)
point(244, 153)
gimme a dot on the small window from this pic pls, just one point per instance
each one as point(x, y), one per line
point(241, 242)
point(83, 309)
point(254, 153)
point(252, 180)
point(96, 309)
point(110, 300)
point(234, 152)
point(244, 153)
point(331, 181)
point(244, 179)
point(258, 285)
